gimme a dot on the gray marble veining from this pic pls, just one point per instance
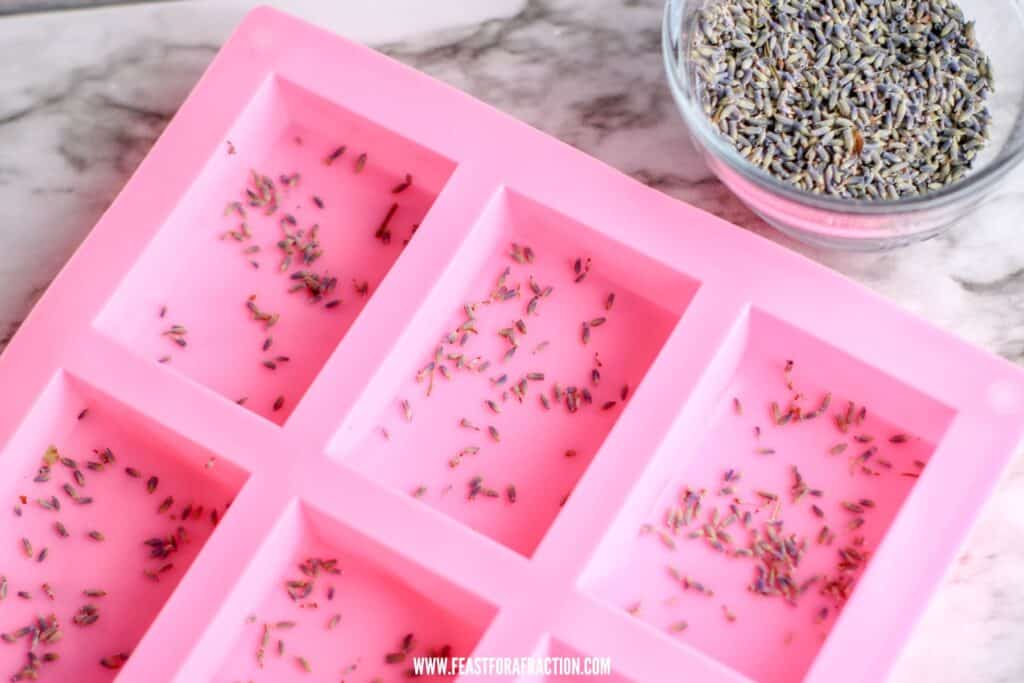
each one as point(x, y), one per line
point(18, 6)
point(82, 100)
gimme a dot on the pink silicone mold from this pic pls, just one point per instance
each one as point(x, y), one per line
point(536, 447)
point(362, 613)
point(84, 519)
point(282, 127)
point(358, 464)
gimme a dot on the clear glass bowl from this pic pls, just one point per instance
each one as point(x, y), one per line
point(864, 225)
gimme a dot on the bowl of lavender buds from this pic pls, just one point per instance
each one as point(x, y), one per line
point(854, 124)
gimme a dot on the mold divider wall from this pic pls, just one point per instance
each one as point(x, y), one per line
point(918, 357)
point(519, 629)
point(532, 597)
point(210, 420)
point(425, 536)
point(595, 628)
point(200, 597)
point(278, 524)
point(392, 311)
point(711, 373)
point(642, 428)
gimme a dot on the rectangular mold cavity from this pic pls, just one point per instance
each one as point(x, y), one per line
point(666, 577)
point(570, 660)
point(122, 510)
point(204, 278)
point(541, 452)
point(380, 595)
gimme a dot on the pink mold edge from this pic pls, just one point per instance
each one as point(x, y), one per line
point(969, 404)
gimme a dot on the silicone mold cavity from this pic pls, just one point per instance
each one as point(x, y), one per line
point(186, 273)
point(539, 448)
point(82, 423)
point(872, 465)
point(376, 596)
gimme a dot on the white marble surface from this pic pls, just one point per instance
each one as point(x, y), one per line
point(84, 94)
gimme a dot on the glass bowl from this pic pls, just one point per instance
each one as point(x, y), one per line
point(864, 225)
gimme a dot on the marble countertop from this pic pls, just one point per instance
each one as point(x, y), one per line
point(84, 94)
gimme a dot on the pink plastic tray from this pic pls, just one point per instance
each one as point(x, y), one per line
point(353, 450)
